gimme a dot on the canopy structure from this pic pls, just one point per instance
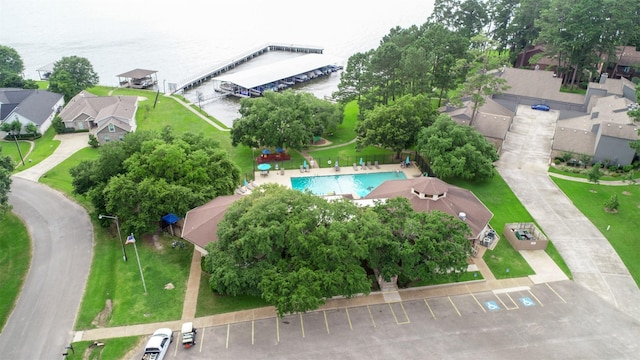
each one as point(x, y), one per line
point(138, 78)
point(264, 167)
point(171, 219)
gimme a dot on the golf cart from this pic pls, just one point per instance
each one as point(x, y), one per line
point(188, 335)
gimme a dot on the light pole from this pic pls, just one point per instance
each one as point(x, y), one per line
point(131, 239)
point(124, 253)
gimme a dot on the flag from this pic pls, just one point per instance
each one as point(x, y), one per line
point(130, 240)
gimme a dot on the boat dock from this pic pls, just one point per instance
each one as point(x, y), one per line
point(275, 77)
point(241, 59)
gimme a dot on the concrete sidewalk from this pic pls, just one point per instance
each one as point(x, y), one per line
point(69, 145)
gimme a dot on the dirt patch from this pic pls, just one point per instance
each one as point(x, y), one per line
point(611, 211)
point(321, 142)
point(103, 316)
point(155, 241)
point(142, 98)
point(626, 193)
point(592, 191)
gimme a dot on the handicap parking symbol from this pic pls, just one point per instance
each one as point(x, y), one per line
point(527, 301)
point(491, 305)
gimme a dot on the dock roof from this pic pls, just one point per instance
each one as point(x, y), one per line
point(137, 73)
point(277, 71)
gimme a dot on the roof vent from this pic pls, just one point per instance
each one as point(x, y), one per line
point(462, 216)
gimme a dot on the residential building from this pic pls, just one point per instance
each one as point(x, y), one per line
point(108, 118)
point(29, 106)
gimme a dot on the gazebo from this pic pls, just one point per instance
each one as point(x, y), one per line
point(138, 79)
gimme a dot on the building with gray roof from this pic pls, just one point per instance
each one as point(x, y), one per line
point(29, 106)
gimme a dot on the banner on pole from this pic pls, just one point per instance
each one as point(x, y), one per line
point(130, 240)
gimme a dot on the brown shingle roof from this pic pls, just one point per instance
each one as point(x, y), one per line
point(456, 200)
point(537, 84)
point(201, 223)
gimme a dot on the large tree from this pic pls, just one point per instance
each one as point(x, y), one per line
point(287, 119)
point(148, 175)
point(71, 75)
point(397, 125)
point(6, 167)
point(417, 245)
point(457, 151)
point(10, 62)
point(291, 248)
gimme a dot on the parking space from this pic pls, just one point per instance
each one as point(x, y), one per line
point(352, 323)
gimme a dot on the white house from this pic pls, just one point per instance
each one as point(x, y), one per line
point(28, 106)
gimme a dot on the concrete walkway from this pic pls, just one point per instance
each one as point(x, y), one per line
point(592, 260)
point(193, 287)
point(69, 145)
point(583, 180)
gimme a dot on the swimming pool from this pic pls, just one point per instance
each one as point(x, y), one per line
point(360, 184)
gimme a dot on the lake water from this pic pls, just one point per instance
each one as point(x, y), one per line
point(180, 39)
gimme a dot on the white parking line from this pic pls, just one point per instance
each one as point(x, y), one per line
point(478, 302)
point(349, 319)
point(429, 307)
point(371, 316)
point(535, 297)
point(228, 333)
point(558, 295)
point(301, 324)
point(202, 338)
point(454, 306)
point(326, 323)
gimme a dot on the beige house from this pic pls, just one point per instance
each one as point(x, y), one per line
point(108, 118)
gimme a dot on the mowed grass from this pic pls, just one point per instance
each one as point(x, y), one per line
point(113, 349)
point(506, 208)
point(59, 177)
point(621, 228)
point(112, 278)
point(212, 304)
point(10, 149)
point(15, 257)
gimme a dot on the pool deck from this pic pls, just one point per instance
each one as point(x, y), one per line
point(275, 177)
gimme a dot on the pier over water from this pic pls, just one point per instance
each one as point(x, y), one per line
point(241, 59)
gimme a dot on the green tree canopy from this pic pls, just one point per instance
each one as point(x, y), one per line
point(396, 126)
point(71, 75)
point(457, 150)
point(287, 119)
point(291, 248)
point(10, 62)
point(417, 245)
point(6, 167)
point(149, 175)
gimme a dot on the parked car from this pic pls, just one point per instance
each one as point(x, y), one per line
point(158, 344)
point(541, 107)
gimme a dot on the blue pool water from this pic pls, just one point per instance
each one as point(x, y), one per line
point(361, 184)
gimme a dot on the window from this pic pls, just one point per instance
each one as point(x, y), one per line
point(112, 128)
point(106, 138)
point(121, 137)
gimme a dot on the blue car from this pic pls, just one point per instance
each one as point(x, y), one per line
point(542, 107)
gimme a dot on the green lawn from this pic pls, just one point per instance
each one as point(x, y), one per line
point(15, 257)
point(10, 149)
point(59, 177)
point(211, 304)
point(506, 208)
point(44, 147)
point(113, 349)
point(621, 228)
point(112, 278)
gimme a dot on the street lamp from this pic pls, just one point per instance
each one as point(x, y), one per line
point(124, 253)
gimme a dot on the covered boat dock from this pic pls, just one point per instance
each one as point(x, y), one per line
point(138, 79)
point(277, 76)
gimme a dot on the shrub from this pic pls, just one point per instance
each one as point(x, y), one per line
point(557, 161)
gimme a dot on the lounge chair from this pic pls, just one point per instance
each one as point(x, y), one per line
point(240, 190)
point(282, 171)
point(337, 167)
point(301, 168)
point(369, 165)
point(306, 169)
point(355, 167)
point(376, 164)
point(362, 166)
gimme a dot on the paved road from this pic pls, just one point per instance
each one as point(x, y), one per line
point(40, 325)
point(593, 261)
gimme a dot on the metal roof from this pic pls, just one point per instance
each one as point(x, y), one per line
point(277, 71)
point(137, 73)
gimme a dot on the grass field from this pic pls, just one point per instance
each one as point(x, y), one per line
point(621, 228)
point(113, 349)
point(15, 257)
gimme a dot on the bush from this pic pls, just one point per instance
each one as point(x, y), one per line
point(557, 161)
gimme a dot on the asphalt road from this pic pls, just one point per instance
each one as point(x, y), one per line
point(41, 324)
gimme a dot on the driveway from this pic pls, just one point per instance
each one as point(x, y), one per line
point(591, 258)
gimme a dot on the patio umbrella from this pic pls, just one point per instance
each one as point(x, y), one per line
point(245, 182)
point(266, 151)
point(360, 161)
point(408, 161)
point(264, 167)
point(279, 150)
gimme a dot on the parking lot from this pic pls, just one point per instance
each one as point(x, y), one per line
point(501, 321)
